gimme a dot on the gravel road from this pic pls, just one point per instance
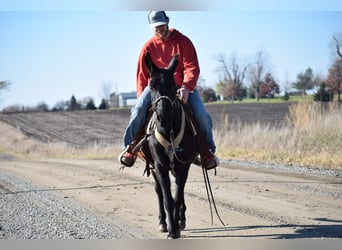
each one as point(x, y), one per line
point(30, 212)
point(92, 199)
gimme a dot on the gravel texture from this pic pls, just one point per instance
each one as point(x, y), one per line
point(28, 212)
point(287, 168)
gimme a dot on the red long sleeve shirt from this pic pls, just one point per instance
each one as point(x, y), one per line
point(161, 51)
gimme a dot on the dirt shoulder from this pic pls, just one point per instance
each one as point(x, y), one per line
point(252, 202)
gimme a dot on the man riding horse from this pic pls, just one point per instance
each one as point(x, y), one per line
point(161, 47)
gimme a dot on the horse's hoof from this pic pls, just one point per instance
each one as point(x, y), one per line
point(182, 224)
point(174, 236)
point(171, 236)
point(162, 228)
point(178, 233)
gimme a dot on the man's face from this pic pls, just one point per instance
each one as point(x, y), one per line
point(162, 31)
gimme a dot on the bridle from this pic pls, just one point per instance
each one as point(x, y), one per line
point(154, 104)
point(171, 146)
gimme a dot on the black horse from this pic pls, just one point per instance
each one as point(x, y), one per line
point(171, 146)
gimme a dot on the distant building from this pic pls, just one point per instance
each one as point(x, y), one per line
point(123, 99)
point(295, 93)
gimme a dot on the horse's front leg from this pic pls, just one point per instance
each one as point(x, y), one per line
point(180, 207)
point(182, 217)
point(163, 177)
point(162, 215)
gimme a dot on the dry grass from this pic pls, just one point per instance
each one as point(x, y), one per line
point(312, 137)
point(13, 142)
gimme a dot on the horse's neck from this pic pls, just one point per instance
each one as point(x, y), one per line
point(175, 122)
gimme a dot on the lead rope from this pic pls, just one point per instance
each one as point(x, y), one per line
point(210, 195)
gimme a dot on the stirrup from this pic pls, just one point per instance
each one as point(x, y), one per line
point(197, 161)
point(125, 163)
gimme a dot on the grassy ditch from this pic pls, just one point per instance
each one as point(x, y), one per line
point(312, 136)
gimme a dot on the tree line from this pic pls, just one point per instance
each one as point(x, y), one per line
point(70, 105)
point(254, 79)
point(86, 103)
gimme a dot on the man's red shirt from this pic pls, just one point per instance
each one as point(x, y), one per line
point(161, 52)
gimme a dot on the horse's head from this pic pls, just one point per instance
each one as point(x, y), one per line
point(163, 88)
point(162, 80)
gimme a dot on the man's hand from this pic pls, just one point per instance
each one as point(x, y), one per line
point(183, 94)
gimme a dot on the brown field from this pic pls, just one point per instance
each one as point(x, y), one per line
point(106, 127)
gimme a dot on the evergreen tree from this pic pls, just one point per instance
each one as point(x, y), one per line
point(103, 104)
point(74, 105)
point(286, 96)
point(322, 94)
point(305, 81)
point(90, 105)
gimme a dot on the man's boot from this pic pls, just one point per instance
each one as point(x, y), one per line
point(127, 158)
point(209, 160)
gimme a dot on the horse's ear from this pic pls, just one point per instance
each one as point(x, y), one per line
point(173, 63)
point(149, 64)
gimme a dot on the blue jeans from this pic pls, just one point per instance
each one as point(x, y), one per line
point(139, 111)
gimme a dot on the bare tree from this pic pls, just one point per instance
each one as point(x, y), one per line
point(13, 108)
point(234, 75)
point(61, 105)
point(334, 79)
point(4, 84)
point(257, 72)
point(338, 43)
point(286, 83)
point(41, 107)
point(106, 90)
